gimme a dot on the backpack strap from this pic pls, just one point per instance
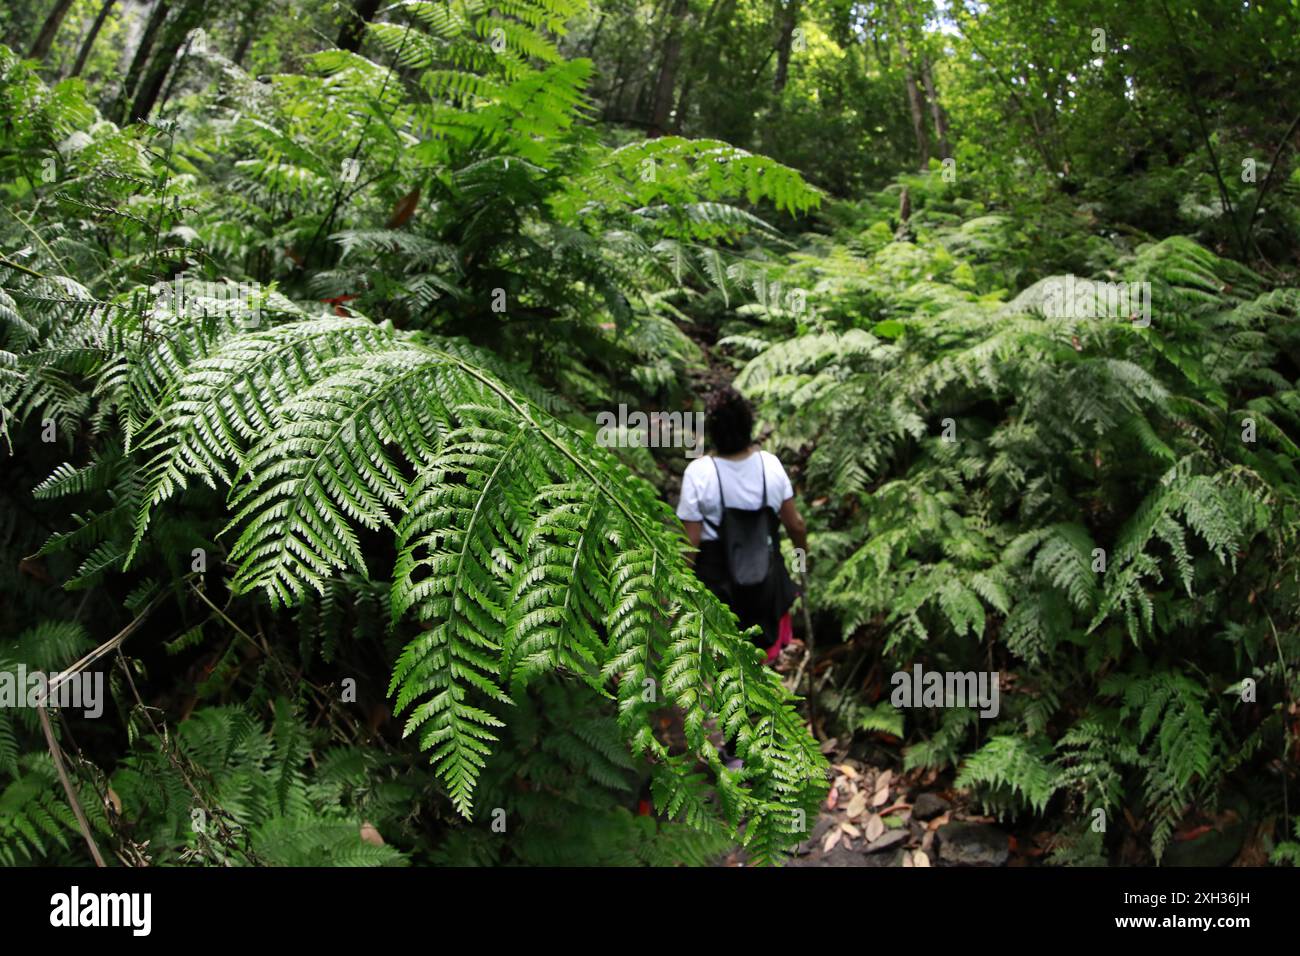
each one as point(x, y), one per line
point(717, 528)
point(722, 495)
point(722, 498)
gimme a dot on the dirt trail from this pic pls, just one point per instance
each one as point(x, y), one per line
point(873, 816)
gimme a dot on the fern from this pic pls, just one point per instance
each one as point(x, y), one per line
point(1013, 763)
point(1091, 517)
point(492, 505)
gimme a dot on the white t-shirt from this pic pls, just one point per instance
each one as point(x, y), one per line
point(742, 481)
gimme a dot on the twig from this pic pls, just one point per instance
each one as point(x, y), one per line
point(57, 754)
point(107, 647)
point(1224, 197)
point(807, 623)
point(166, 746)
point(1268, 177)
point(8, 264)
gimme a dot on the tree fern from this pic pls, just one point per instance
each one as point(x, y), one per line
point(493, 505)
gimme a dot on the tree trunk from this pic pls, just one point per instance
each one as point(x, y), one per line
point(245, 40)
point(662, 104)
point(169, 52)
point(49, 29)
point(697, 54)
point(917, 107)
point(354, 29)
point(936, 108)
point(147, 39)
point(595, 36)
point(174, 74)
point(788, 21)
point(84, 54)
point(914, 100)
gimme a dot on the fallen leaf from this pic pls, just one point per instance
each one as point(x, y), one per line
point(875, 827)
point(848, 770)
point(115, 800)
point(831, 838)
point(937, 822)
point(851, 830)
point(857, 805)
point(833, 798)
point(370, 835)
point(907, 859)
point(920, 858)
point(880, 798)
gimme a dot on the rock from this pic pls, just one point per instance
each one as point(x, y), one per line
point(1213, 848)
point(928, 806)
point(824, 822)
point(887, 839)
point(839, 856)
point(972, 844)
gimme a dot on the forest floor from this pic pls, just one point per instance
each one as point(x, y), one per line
point(873, 815)
point(876, 816)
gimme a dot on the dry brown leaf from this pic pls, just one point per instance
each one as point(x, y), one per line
point(115, 800)
point(851, 830)
point(832, 837)
point(833, 798)
point(928, 840)
point(404, 209)
point(857, 805)
point(920, 858)
point(370, 835)
point(848, 770)
point(875, 827)
point(907, 859)
point(880, 798)
point(884, 780)
point(937, 822)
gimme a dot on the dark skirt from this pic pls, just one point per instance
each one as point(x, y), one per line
point(762, 605)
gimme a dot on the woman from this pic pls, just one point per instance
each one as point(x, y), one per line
point(739, 476)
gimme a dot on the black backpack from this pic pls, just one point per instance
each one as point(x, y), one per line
point(749, 537)
point(757, 586)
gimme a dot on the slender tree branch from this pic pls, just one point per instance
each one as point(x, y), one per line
point(57, 754)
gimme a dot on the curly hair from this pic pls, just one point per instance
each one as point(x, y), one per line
point(728, 420)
